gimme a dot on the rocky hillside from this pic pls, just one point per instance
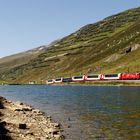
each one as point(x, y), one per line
point(111, 45)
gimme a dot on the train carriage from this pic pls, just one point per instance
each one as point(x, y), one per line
point(93, 77)
point(116, 76)
point(58, 80)
point(51, 81)
point(78, 78)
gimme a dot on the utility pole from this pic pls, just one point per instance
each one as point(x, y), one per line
point(128, 70)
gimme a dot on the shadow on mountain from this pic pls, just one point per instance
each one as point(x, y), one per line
point(3, 131)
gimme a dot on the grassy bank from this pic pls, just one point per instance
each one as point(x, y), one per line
point(3, 82)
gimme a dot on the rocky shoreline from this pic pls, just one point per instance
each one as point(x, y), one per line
point(19, 121)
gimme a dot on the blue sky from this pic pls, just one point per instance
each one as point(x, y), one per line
point(26, 24)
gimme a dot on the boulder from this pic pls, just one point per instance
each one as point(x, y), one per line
point(53, 131)
point(22, 126)
point(58, 137)
point(27, 109)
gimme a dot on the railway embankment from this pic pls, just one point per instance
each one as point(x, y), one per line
point(115, 82)
point(105, 83)
point(19, 121)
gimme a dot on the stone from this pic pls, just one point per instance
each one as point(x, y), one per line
point(19, 103)
point(3, 123)
point(18, 109)
point(55, 124)
point(53, 131)
point(27, 109)
point(58, 137)
point(22, 126)
point(29, 133)
point(48, 116)
point(68, 126)
point(128, 50)
point(38, 112)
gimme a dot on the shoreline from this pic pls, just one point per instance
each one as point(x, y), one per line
point(21, 121)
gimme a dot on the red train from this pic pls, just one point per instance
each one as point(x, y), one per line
point(97, 77)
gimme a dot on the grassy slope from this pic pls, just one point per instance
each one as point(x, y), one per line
point(95, 48)
point(19, 59)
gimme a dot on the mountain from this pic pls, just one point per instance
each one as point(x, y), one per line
point(108, 46)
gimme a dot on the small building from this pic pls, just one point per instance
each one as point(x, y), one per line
point(31, 82)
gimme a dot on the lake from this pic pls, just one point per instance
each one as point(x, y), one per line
point(85, 112)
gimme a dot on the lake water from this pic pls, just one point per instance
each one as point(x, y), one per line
point(86, 112)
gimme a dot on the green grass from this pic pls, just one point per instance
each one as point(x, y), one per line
point(3, 82)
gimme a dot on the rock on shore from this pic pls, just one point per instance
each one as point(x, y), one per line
point(19, 121)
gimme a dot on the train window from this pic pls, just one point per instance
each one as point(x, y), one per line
point(78, 77)
point(67, 79)
point(58, 79)
point(111, 75)
point(50, 80)
point(92, 76)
